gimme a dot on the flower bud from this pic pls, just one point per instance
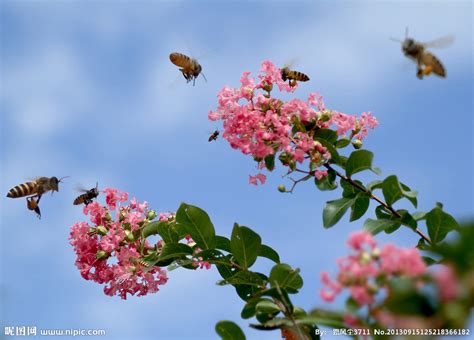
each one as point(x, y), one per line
point(151, 215)
point(129, 236)
point(108, 217)
point(267, 86)
point(101, 230)
point(365, 258)
point(281, 188)
point(122, 215)
point(325, 116)
point(101, 255)
point(357, 143)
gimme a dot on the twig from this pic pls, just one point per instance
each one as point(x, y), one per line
point(375, 198)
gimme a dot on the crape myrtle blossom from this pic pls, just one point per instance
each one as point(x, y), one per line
point(260, 125)
point(367, 274)
point(109, 252)
point(112, 251)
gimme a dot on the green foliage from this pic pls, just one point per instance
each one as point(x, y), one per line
point(229, 330)
point(269, 253)
point(197, 223)
point(360, 206)
point(358, 161)
point(334, 210)
point(393, 190)
point(245, 245)
point(328, 182)
point(439, 224)
point(283, 276)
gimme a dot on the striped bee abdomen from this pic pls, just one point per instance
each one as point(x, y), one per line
point(22, 190)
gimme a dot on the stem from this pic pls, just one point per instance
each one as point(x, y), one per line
point(375, 198)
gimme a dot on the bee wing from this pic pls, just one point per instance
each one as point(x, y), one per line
point(442, 42)
point(291, 62)
point(80, 188)
point(428, 59)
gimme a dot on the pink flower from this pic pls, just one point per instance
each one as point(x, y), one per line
point(105, 253)
point(261, 177)
point(448, 283)
point(361, 295)
point(359, 239)
point(320, 174)
point(401, 261)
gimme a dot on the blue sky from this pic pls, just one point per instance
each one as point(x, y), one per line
point(87, 91)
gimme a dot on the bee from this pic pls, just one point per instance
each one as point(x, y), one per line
point(87, 196)
point(214, 136)
point(426, 61)
point(32, 204)
point(292, 76)
point(37, 187)
point(189, 67)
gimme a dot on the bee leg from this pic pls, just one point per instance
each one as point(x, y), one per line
point(38, 212)
point(39, 197)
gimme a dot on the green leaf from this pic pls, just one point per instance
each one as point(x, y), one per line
point(360, 206)
point(223, 243)
point(330, 147)
point(229, 330)
point(439, 224)
point(334, 210)
point(286, 278)
point(349, 190)
point(270, 162)
point(151, 229)
point(376, 226)
point(419, 215)
point(269, 253)
point(167, 233)
point(429, 261)
point(359, 160)
point(197, 224)
point(405, 299)
point(376, 170)
point(245, 245)
point(249, 309)
point(267, 307)
point(422, 245)
point(393, 190)
point(327, 318)
point(174, 250)
point(326, 134)
point(245, 278)
point(343, 142)
point(407, 219)
point(374, 185)
point(328, 182)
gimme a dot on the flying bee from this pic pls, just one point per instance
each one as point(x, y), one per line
point(32, 204)
point(87, 196)
point(214, 136)
point(426, 61)
point(189, 67)
point(292, 76)
point(38, 187)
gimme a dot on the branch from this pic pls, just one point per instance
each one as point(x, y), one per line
point(375, 198)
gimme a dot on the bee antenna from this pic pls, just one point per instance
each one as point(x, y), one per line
point(396, 40)
point(204, 77)
point(96, 185)
point(61, 179)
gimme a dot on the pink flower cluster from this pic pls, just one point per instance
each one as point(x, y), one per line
point(360, 272)
point(259, 125)
point(367, 272)
point(110, 252)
